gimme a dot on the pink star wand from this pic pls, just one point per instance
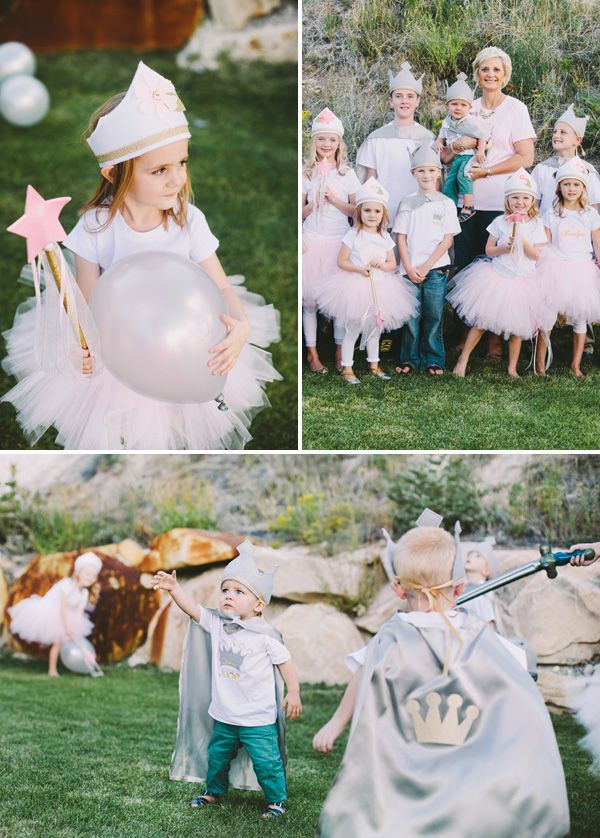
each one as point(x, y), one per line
point(40, 226)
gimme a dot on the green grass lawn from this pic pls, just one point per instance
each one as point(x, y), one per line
point(486, 410)
point(90, 757)
point(243, 164)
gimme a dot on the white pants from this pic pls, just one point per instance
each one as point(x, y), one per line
point(309, 323)
point(579, 328)
point(350, 338)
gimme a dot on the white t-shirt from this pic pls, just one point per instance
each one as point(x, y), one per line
point(365, 246)
point(390, 157)
point(501, 229)
point(243, 682)
point(425, 227)
point(509, 123)
point(431, 619)
point(483, 607)
point(194, 241)
point(572, 234)
point(328, 221)
point(545, 178)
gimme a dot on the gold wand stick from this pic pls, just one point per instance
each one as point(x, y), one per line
point(55, 268)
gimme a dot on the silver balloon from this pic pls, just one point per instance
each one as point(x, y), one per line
point(79, 656)
point(23, 100)
point(157, 315)
point(16, 59)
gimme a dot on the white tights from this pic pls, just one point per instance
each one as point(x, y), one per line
point(350, 338)
point(309, 322)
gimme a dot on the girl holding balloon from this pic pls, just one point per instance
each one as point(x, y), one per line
point(142, 205)
point(59, 615)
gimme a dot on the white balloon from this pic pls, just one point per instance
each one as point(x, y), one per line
point(16, 59)
point(157, 315)
point(78, 656)
point(23, 100)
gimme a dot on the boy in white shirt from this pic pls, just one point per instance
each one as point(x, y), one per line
point(244, 693)
point(385, 154)
point(426, 224)
point(443, 713)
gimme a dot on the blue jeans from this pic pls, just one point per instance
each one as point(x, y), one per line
point(261, 744)
point(422, 339)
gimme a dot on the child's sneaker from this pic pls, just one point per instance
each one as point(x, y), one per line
point(204, 799)
point(275, 810)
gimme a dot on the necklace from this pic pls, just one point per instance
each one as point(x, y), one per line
point(487, 113)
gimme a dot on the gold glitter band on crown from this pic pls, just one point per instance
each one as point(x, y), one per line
point(154, 138)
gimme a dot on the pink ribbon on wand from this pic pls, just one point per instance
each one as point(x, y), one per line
point(323, 168)
point(516, 218)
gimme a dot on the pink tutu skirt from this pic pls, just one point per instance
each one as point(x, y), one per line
point(100, 413)
point(37, 620)
point(319, 260)
point(570, 286)
point(504, 305)
point(348, 298)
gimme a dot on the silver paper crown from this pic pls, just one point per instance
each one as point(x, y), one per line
point(243, 569)
point(460, 89)
point(427, 518)
point(425, 155)
point(405, 80)
point(577, 123)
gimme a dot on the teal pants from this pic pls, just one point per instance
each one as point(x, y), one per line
point(457, 183)
point(261, 744)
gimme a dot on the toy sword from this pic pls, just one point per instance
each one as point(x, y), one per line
point(548, 561)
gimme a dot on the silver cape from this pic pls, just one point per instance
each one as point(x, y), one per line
point(393, 132)
point(194, 725)
point(505, 780)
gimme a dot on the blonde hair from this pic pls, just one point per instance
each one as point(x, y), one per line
point(493, 52)
point(340, 156)
point(558, 204)
point(383, 224)
point(532, 212)
point(425, 556)
point(111, 194)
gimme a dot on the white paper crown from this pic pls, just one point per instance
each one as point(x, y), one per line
point(327, 122)
point(425, 155)
point(427, 518)
point(404, 80)
point(88, 560)
point(573, 168)
point(577, 123)
point(149, 117)
point(244, 570)
point(520, 181)
point(460, 89)
point(372, 190)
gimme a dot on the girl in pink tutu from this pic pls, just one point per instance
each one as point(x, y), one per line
point(503, 295)
point(367, 296)
point(59, 615)
point(568, 274)
point(143, 203)
point(329, 187)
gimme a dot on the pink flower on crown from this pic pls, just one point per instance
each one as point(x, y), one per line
point(326, 116)
point(156, 96)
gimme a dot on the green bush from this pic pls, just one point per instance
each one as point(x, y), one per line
point(444, 484)
point(316, 519)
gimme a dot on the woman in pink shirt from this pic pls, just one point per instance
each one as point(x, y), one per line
point(512, 143)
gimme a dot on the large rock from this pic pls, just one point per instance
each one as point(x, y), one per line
point(348, 580)
point(319, 637)
point(559, 617)
point(123, 607)
point(184, 547)
point(560, 687)
point(235, 14)
point(379, 610)
point(127, 551)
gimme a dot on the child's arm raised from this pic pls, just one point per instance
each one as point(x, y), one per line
point(291, 703)
point(168, 582)
point(325, 738)
point(238, 329)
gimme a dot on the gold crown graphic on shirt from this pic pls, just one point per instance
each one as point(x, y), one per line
point(432, 729)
